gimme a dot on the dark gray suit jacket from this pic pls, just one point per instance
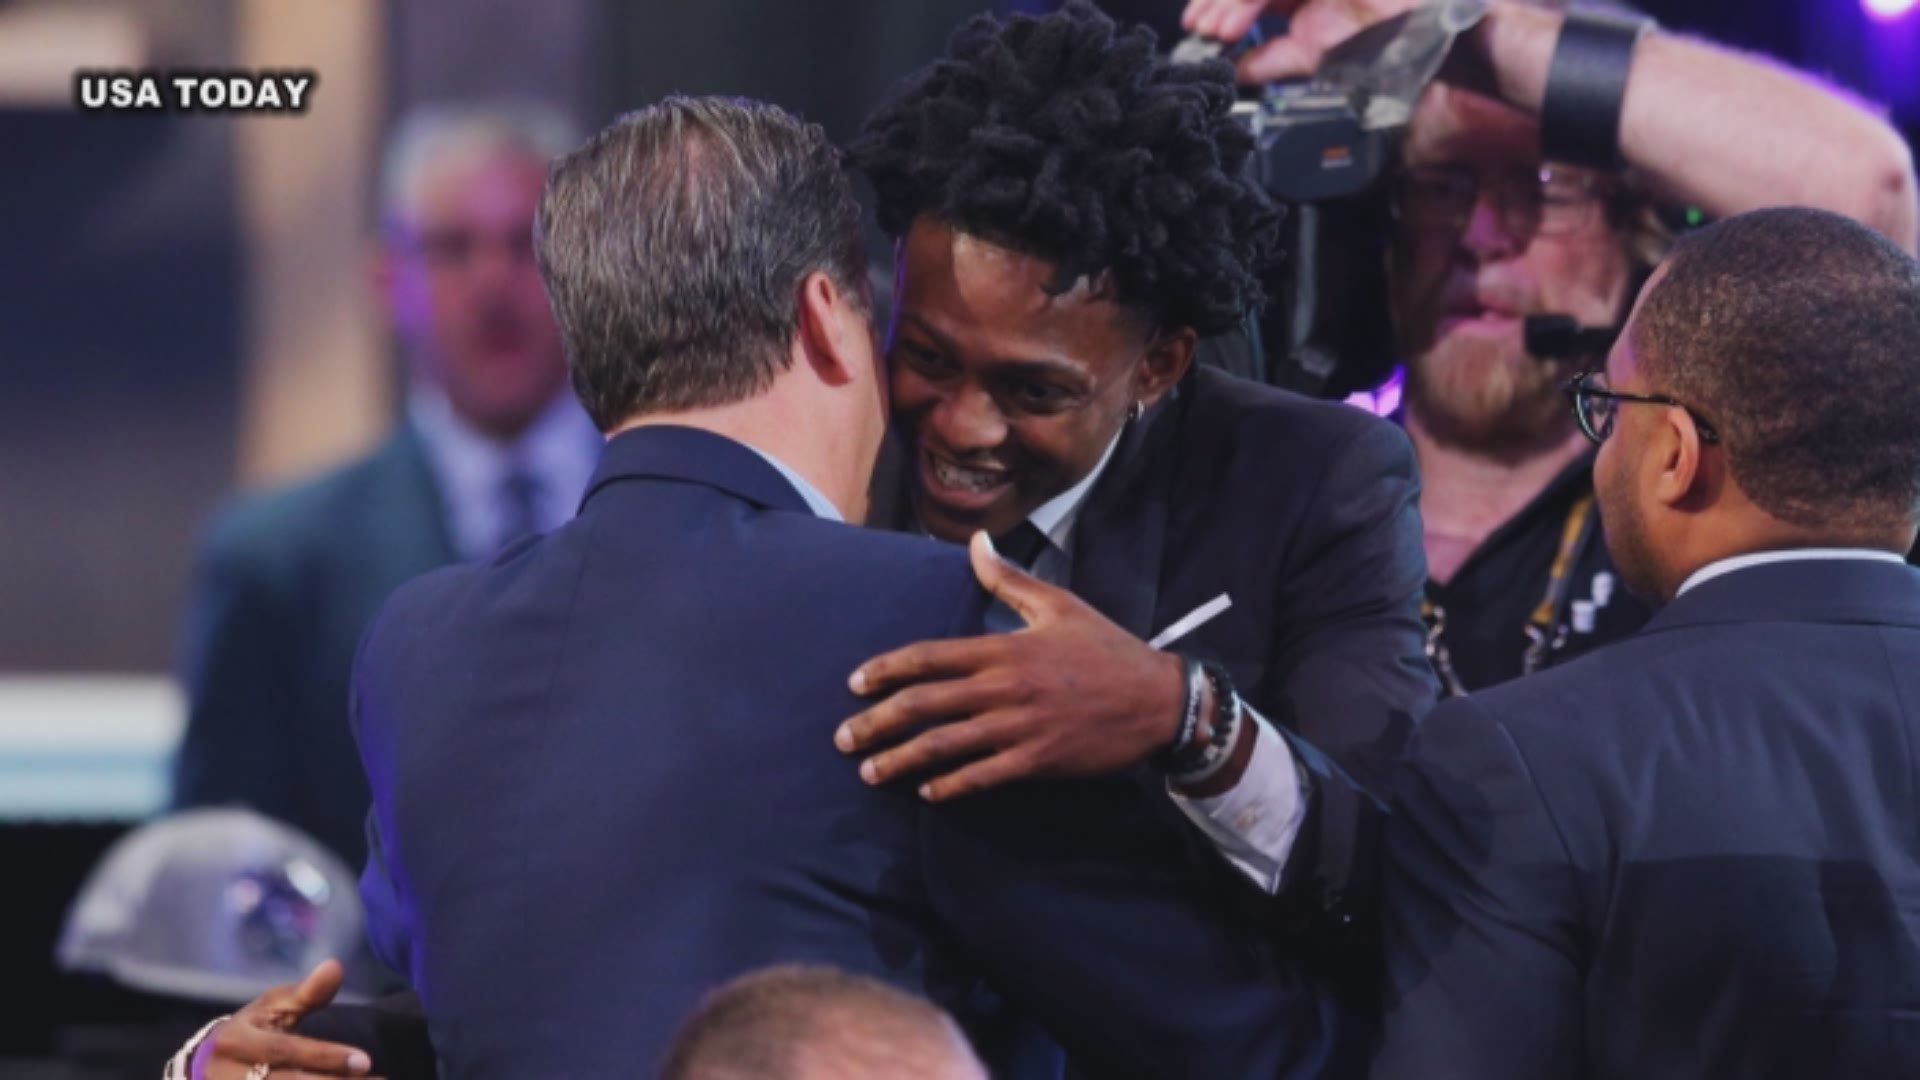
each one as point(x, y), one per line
point(287, 582)
point(1693, 853)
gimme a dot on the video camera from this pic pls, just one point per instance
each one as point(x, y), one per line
point(1327, 149)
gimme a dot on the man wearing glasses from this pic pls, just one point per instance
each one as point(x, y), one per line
point(1693, 853)
point(1489, 230)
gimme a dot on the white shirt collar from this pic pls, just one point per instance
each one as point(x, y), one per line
point(818, 503)
point(559, 448)
point(1056, 517)
point(1759, 558)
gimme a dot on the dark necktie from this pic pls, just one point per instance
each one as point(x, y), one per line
point(519, 502)
point(1022, 544)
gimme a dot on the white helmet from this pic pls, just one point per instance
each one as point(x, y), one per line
point(214, 905)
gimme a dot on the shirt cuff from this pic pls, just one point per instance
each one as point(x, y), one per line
point(1255, 823)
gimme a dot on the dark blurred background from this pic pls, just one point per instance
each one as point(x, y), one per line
point(184, 311)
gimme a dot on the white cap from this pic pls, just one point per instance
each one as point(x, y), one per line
point(216, 905)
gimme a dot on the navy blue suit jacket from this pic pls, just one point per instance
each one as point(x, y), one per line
point(1305, 513)
point(287, 584)
point(604, 781)
point(1692, 853)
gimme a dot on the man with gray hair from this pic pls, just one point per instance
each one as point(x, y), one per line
point(491, 447)
point(797, 1022)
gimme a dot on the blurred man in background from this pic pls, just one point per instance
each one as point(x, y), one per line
point(1501, 215)
point(492, 447)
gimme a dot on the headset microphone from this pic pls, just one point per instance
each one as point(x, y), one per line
point(1558, 337)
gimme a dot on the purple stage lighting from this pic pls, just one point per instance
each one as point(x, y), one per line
point(1888, 10)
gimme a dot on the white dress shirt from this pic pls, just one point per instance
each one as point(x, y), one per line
point(818, 503)
point(1056, 518)
point(558, 450)
point(1761, 558)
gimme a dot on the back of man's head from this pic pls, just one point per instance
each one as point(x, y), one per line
point(1796, 333)
point(673, 245)
point(815, 1023)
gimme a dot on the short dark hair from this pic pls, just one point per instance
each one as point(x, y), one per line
point(673, 245)
point(1796, 332)
point(1065, 139)
point(765, 1025)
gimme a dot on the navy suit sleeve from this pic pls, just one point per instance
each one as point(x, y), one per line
point(387, 934)
point(237, 667)
point(1351, 663)
point(1480, 916)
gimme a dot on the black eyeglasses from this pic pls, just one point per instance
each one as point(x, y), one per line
point(1545, 201)
point(1595, 405)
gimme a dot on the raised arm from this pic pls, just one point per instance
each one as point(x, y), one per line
point(1703, 124)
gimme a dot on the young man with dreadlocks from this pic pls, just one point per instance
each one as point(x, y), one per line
point(1222, 579)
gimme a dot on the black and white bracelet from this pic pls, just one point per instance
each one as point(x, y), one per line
point(1175, 752)
point(1224, 730)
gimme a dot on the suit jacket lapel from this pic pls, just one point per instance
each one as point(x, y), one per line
point(413, 507)
point(1120, 539)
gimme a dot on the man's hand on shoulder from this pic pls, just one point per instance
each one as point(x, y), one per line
point(1073, 694)
point(260, 1035)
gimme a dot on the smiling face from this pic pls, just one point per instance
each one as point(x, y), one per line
point(1460, 295)
point(1004, 395)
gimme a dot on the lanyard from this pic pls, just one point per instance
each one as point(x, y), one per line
point(1546, 628)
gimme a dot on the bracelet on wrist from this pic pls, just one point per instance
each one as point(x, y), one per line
point(1209, 756)
point(1193, 681)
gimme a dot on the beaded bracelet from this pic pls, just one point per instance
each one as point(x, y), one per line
point(1171, 757)
point(1209, 757)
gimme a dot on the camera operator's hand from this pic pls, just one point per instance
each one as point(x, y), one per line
point(1691, 120)
point(1314, 26)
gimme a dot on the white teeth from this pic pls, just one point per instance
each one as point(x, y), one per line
point(956, 476)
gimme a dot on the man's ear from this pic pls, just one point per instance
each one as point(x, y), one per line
point(1682, 478)
point(833, 330)
point(1165, 364)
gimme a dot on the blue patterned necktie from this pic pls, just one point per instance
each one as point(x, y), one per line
point(519, 505)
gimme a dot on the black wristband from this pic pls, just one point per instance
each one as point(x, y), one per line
point(1198, 755)
point(1225, 702)
point(1182, 746)
point(1586, 84)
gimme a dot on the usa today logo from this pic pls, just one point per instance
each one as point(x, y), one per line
point(231, 91)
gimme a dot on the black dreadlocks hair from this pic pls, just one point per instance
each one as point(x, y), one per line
point(1067, 140)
